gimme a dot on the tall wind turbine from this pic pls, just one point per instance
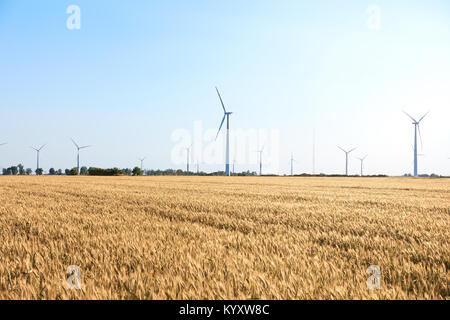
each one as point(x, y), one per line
point(292, 164)
point(38, 151)
point(416, 129)
point(142, 162)
point(346, 158)
point(314, 152)
point(260, 160)
point(188, 151)
point(78, 153)
point(362, 164)
point(227, 116)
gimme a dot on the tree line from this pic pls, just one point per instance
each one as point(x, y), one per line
point(136, 171)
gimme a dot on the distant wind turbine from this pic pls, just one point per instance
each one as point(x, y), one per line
point(416, 129)
point(78, 153)
point(260, 160)
point(346, 158)
point(234, 163)
point(292, 164)
point(188, 157)
point(38, 151)
point(2, 144)
point(227, 151)
point(142, 162)
point(314, 152)
point(362, 164)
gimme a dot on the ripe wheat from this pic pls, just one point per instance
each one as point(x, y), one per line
point(224, 238)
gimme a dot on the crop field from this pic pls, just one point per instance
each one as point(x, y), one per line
point(224, 238)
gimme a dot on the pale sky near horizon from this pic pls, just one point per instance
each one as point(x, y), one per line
point(139, 72)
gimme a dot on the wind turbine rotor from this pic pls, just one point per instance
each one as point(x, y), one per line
point(221, 101)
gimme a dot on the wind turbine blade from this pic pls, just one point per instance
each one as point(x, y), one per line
point(352, 150)
point(42, 147)
point(2, 144)
point(223, 120)
point(409, 116)
point(342, 149)
point(221, 101)
point(76, 145)
point(84, 147)
point(424, 116)
point(420, 136)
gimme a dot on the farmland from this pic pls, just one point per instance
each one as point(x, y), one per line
point(224, 238)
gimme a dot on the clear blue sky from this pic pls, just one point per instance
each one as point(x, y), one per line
point(137, 71)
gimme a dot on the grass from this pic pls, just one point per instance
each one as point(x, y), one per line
point(224, 238)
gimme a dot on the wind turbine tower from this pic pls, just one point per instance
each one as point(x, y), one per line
point(292, 164)
point(78, 153)
point(2, 144)
point(362, 164)
point(260, 160)
point(416, 130)
point(227, 151)
point(188, 153)
point(346, 158)
point(314, 152)
point(38, 151)
point(142, 162)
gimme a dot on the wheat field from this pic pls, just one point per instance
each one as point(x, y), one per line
point(224, 238)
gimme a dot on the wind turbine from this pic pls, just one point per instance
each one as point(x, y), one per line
point(260, 160)
point(38, 150)
point(142, 162)
point(188, 151)
point(2, 144)
point(362, 164)
point(78, 153)
point(227, 116)
point(416, 129)
point(314, 151)
point(346, 158)
point(292, 164)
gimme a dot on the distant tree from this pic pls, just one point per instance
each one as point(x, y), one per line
point(28, 171)
point(105, 172)
point(67, 172)
point(137, 171)
point(12, 170)
point(84, 171)
point(39, 171)
point(21, 169)
point(59, 172)
point(73, 172)
point(52, 171)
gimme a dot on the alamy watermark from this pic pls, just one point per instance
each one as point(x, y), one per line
point(74, 280)
point(374, 17)
point(201, 146)
point(73, 22)
point(374, 281)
